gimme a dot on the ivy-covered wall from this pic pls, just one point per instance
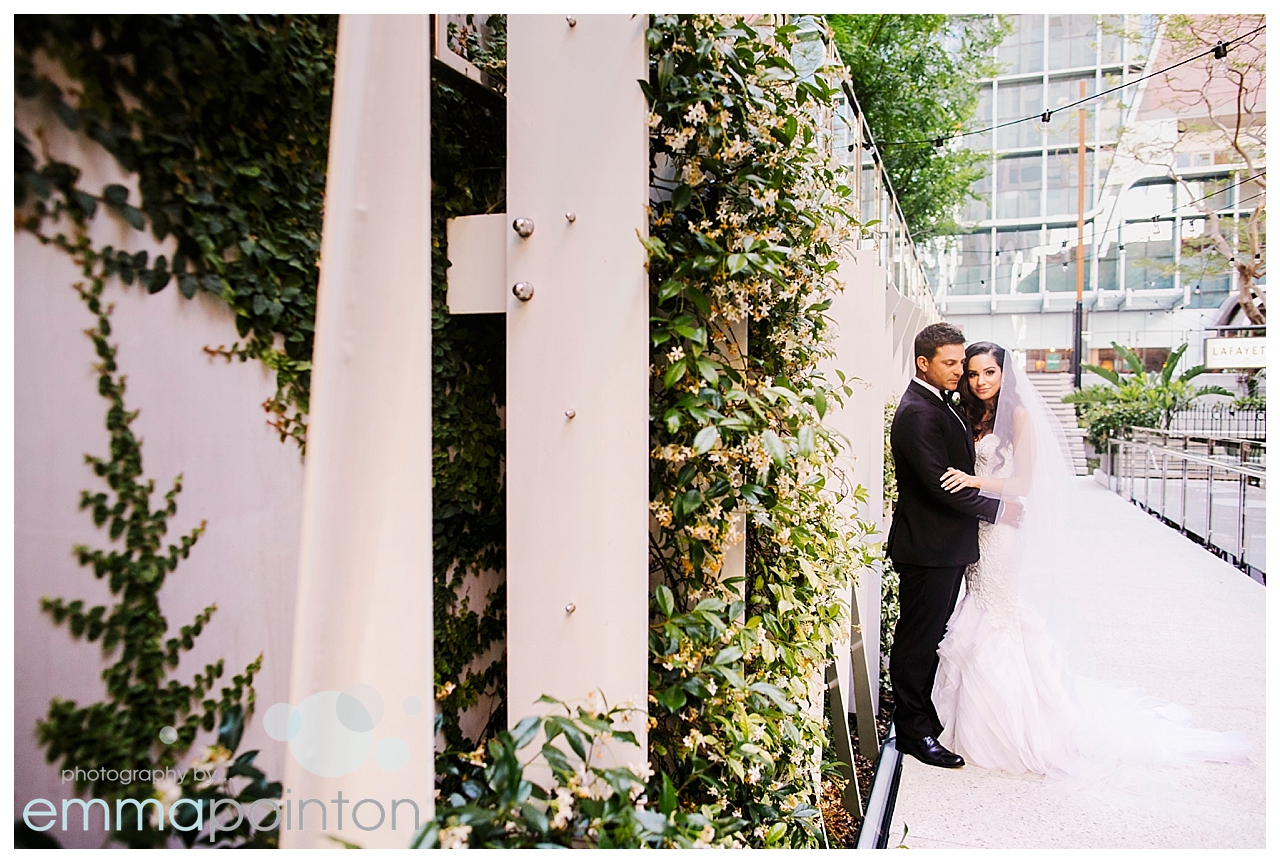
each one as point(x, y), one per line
point(468, 176)
point(225, 122)
point(197, 416)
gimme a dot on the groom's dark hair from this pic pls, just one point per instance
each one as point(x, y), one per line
point(935, 336)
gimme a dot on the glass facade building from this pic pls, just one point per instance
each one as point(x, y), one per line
point(1011, 273)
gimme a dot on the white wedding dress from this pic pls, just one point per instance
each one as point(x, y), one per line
point(1008, 699)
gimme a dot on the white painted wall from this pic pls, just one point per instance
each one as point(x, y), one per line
point(200, 417)
point(863, 351)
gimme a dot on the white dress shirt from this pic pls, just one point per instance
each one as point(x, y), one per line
point(931, 388)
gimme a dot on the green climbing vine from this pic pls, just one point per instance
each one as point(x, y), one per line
point(225, 120)
point(468, 171)
point(149, 720)
point(752, 215)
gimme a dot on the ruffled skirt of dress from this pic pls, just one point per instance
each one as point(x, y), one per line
point(1008, 700)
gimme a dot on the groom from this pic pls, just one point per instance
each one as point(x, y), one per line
point(934, 534)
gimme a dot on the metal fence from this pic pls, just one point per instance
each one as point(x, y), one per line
point(877, 206)
point(1222, 420)
point(1212, 489)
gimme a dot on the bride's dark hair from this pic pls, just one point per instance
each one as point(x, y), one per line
point(974, 407)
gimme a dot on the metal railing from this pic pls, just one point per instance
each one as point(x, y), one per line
point(1211, 489)
point(877, 206)
point(1222, 420)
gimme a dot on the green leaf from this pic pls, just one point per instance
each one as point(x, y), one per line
point(1193, 373)
point(698, 299)
point(557, 725)
point(115, 195)
point(232, 727)
point(526, 730)
point(710, 370)
point(666, 599)
point(673, 374)
point(134, 217)
point(774, 446)
point(667, 799)
point(804, 441)
point(820, 403)
point(706, 439)
point(673, 698)
point(1106, 374)
point(681, 197)
point(774, 694)
point(666, 68)
point(1131, 358)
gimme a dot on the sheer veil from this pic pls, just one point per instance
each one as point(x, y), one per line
point(1043, 481)
point(1114, 720)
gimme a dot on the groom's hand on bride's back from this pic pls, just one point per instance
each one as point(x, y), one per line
point(1011, 513)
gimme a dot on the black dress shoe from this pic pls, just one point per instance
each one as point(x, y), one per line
point(931, 752)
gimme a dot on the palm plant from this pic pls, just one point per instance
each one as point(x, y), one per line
point(1139, 398)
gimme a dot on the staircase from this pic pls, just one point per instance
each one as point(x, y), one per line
point(1053, 387)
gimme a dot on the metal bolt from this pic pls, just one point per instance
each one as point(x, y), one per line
point(572, 217)
point(573, 22)
point(523, 227)
point(523, 291)
point(571, 413)
point(570, 608)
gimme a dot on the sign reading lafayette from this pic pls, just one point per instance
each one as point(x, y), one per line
point(1246, 353)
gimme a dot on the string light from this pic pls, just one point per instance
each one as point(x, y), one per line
point(1175, 210)
point(1219, 51)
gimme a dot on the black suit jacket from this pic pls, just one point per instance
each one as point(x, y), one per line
point(932, 526)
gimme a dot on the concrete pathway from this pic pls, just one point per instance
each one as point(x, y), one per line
point(1173, 619)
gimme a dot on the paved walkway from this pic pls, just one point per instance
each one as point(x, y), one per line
point(1182, 624)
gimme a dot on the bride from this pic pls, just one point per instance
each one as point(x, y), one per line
point(1005, 689)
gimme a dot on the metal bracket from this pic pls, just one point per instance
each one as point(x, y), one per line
point(852, 797)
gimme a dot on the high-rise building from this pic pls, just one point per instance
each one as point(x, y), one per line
point(1149, 159)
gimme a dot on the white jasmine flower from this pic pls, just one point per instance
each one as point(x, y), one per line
point(679, 140)
point(696, 115)
point(563, 805)
point(215, 757)
point(455, 837)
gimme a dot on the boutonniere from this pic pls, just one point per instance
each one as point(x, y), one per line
point(955, 399)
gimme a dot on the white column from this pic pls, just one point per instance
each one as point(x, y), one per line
point(577, 361)
point(362, 679)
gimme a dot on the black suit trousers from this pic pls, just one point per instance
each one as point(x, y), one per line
point(926, 597)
